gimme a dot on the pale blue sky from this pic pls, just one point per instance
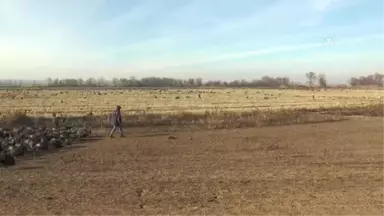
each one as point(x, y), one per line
point(213, 39)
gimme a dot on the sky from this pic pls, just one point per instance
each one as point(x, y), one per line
point(212, 39)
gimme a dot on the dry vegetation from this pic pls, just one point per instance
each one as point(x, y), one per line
point(322, 169)
point(187, 106)
point(80, 102)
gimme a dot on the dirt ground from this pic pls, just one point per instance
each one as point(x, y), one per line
point(322, 169)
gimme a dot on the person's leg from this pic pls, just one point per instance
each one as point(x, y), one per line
point(112, 131)
point(121, 131)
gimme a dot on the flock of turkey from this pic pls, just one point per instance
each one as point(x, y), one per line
point(18, 141)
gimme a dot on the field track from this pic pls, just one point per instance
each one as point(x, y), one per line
point(321, 169)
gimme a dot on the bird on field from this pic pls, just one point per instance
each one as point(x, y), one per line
point(21, 140)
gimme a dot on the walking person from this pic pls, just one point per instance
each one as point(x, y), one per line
point(117, 122)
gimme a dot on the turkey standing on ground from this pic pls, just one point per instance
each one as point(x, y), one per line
point(27, 139)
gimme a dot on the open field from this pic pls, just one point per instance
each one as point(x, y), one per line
point(319, 159)
point(138, 102)
point(321, 169)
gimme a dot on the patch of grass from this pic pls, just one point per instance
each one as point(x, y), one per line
point(253, 118)
point(368, 110)
point(214, 119)
point(18, 118)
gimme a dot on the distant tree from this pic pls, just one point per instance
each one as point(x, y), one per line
point(283, 81)
point(191, 82)
point(311, 76)
point(199, 81)
point(49, 81)
point(353, 81)
point(234, 83)
point(90, 82)
point(70, 82)
point(379, 79)
point(376, 79)
point(101, 82)
point(80, 82)
point(322, 81)
point(115, 81)
point(56, 81)
point(135, 82)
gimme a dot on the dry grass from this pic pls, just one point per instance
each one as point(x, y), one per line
point(164, 102)
point(319, 169)
point(217, 108)
point(212, 120)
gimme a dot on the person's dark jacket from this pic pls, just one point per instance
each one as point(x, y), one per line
point(116, 118)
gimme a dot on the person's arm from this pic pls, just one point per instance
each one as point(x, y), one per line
point(120, 118)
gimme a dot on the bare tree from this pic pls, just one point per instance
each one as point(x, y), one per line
point(353, 81)
point(311, 76)
point(199, 81)
point(322, 79)
point(379, 79)
point(101, 81)
point(90, 82)
point(49, 81)
point(80, 82)
point(115, 82)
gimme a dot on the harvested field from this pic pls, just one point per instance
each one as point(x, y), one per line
point(318, 159)
point(321, 169)
point(174, 101)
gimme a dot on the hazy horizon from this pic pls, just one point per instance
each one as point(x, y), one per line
point(230, 40)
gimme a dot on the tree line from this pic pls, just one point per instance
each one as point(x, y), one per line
point(370, 80)
point(313, 80)
point(265, 81)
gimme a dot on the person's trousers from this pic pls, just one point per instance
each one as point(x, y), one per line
point(116, 127)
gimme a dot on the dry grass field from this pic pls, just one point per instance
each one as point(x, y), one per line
point(324, 155)
point(133, 102)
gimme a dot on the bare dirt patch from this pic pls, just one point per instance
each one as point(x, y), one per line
point(330, 168)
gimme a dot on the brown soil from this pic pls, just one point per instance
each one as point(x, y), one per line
point(322, 169)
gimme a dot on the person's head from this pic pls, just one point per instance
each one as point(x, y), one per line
point(118, 107)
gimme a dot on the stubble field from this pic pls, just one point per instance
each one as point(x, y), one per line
point(100, 102)
point(333, 168)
